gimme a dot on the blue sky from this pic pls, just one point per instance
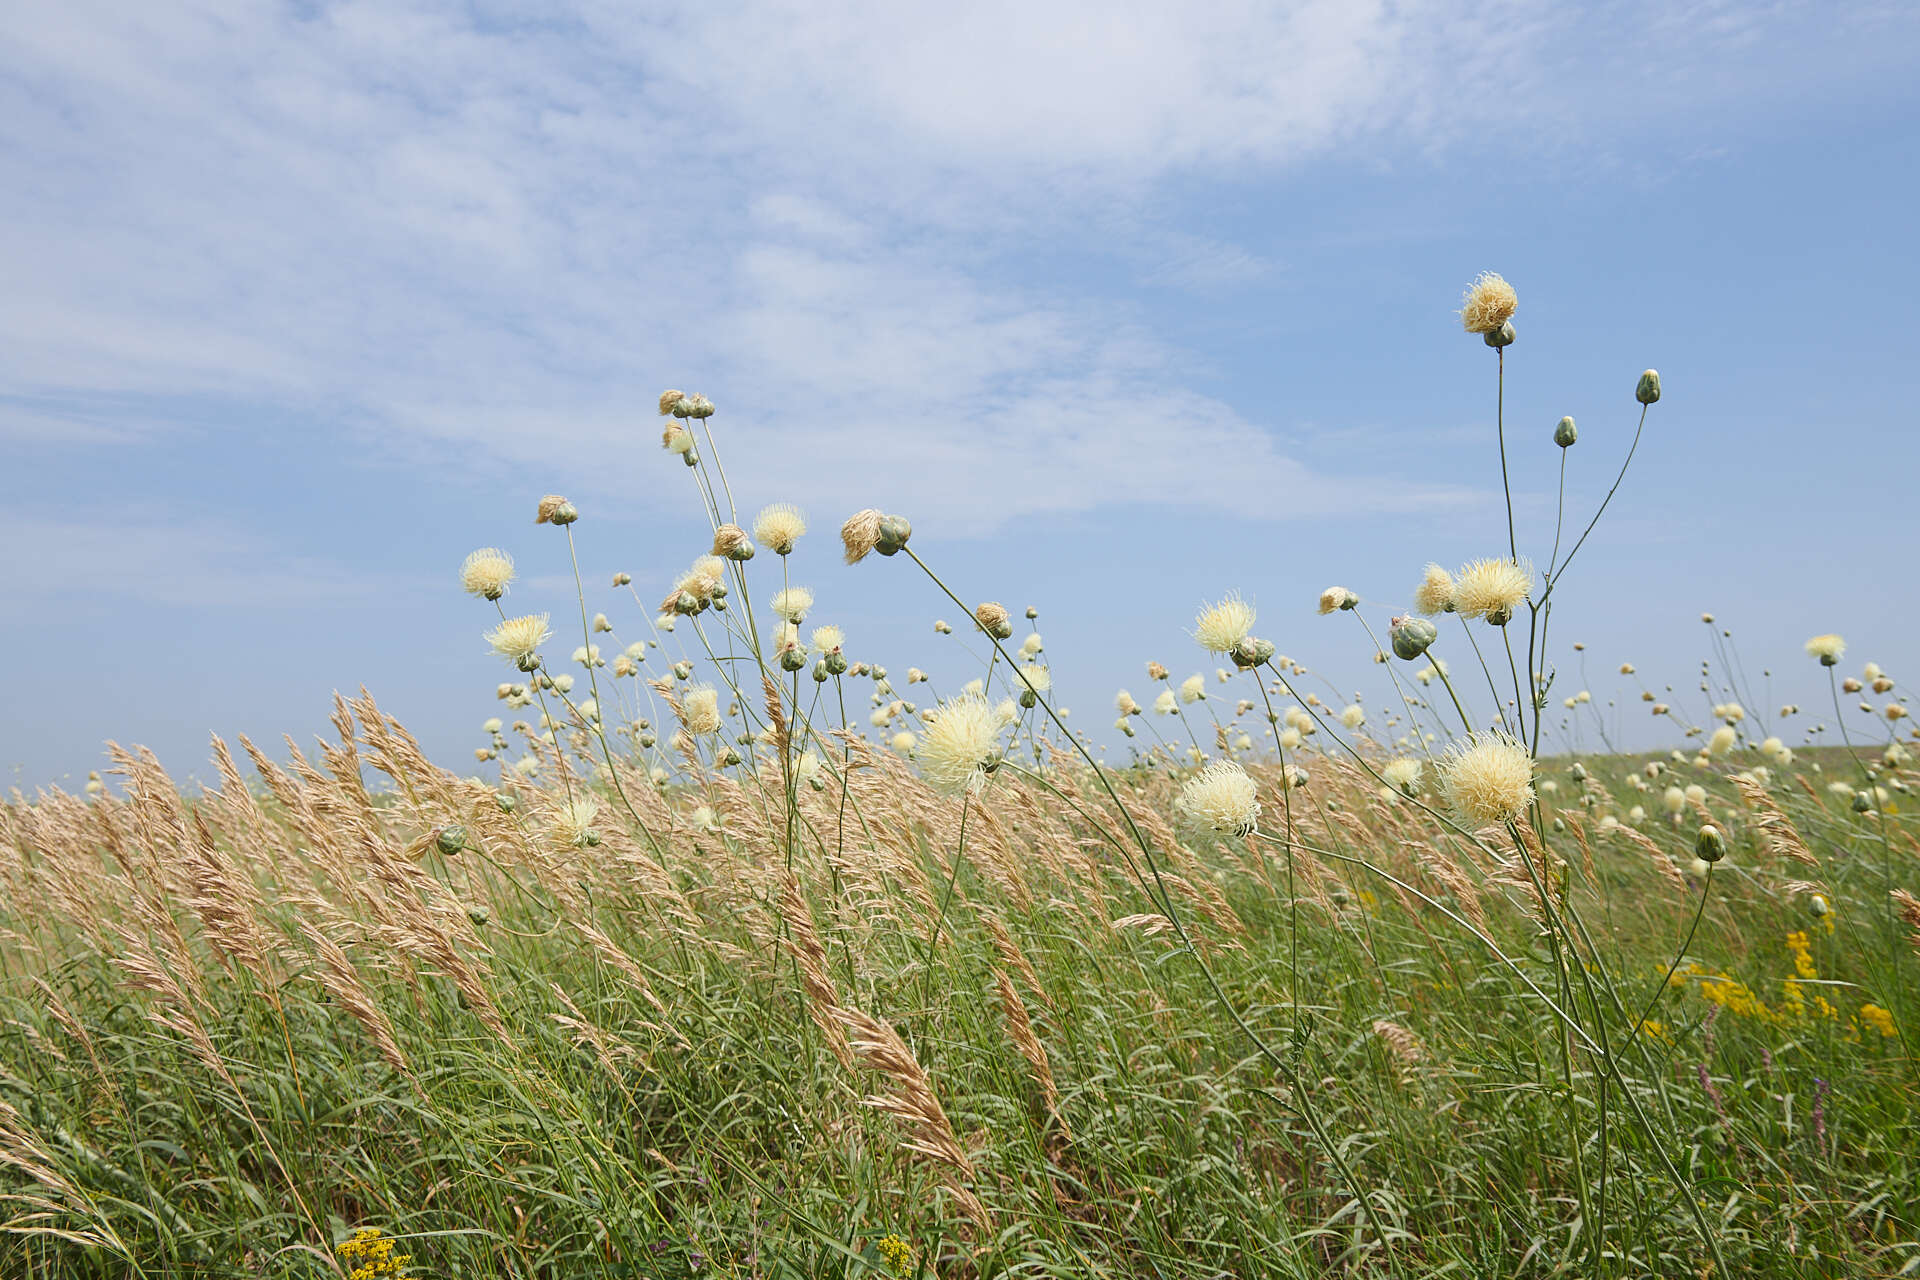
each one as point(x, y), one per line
point(1125, 306)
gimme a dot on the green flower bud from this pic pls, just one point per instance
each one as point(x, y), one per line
point(894, 532)
point(1032, 613)
point(478, 914)
point(1411, 636)
point(820, 671)
point(792, 659)
point(507, 803)
point(1501, 337)
point(647, 740)
point(729, 758)
point(1711, 845)
point(683, 670)
point(691, 457)
point(1648, 391)
point(835, 663)
point(683, 407)
point(1566, 433)
point(1818, 906)
point(1862, 802)
point(1251, 651)
point(451, 839)
point(565, 513)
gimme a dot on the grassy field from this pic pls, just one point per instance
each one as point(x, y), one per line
point(714, 974)
point(240, 1027)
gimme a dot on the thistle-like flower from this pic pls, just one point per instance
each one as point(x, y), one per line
point(1492, 589)
point(1487, 780)
point(1402, 774)
point(554, 509)
point(1489, 303)
point(1193, 688)
point(861, 533)
point(700, 710)
point(1353, 715)
point(519, 639)
point(1223, 797)
point(1224, 624)
point(792, 604)
point(778, 527)
point(1435, 592)
point(961, 745)
point(1338, 598)
point(486, 573)
point(1827, 648)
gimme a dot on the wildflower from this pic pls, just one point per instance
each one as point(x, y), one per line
point(1031, 646)
point(369, 1254)
point(1488, 780)
point(861, 533)
point(828, 639)
point(573, 822)
point(1675, 801)
point(1193, 688)
point(1827, 648)
point(895, 1252)
point(675, 438)
point(1403, 774)
point(903, 742)
point(1878, 1019)
point(1166, 704)
point(1411, 637)
point(792, 604)
point(1492, 589)
point(1647, 391)
point(1223, 797)
point(778, 527)
point(1488, 303)
point(1337, 598)
point(961, 744)
point(1222, 625)
point(1035, 677)
point(1156, 671)
point(991, 617)
point(1435, 592)
point(731, 542)
point(1565, 433)
point(700, 709)
point(1722, 740)
point(486, 573)
point(519, 639)
point(1710, 845)
point(1123, 703)
point(1353, 716)
point(554, 509)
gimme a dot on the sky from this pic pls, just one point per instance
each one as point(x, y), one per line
point(1124, 306)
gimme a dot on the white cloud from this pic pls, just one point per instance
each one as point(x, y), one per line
point(504, 228)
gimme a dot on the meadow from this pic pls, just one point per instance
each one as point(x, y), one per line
point(733, 954)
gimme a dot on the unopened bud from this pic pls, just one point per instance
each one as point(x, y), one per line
point(1648, 390)
point(1501, 337)
point(1566, 433)
point(1711, 846)
point(1411, 636)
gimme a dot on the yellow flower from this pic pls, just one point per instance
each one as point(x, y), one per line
point(897, 1253)
point(1877, 1018)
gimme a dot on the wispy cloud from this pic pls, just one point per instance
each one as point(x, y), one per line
point(499, 228)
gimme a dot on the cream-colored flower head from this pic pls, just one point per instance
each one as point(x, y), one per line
point(1827, 648)
point(1123, 703)
point(778, 527)
point(675, 438)
point(792, 604)
point(1435, 592)
point(573, 820)
point(1166, 704)
point(1403, 774)
point(1487, 780)
point(1353, 715)
point(1193, 688)
point(1223, 625)
point(1489, 303)
point(1337, 598)
point(1035, 677)
point(668, 399)
point(1290, 739)
point(519, 639)
point(1722, 740)
point(861, 533)
point(1223, 797)
point(903, 742)
point(1032, 645)
point(1492, 588)
point(961, 738)
point(700, 709)
point(486, 573)
point(828, 639)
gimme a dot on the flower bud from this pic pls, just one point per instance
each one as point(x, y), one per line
point(820, 671)
point(1501, 337)
point(835, 663)
point(622, 579)
point(1411, 636)
point(1032, 613)
point(731, 541)
point(992, 619)
point(1711, 846)
point(894, 532)
point(1250, 651)
point(683, 407)
point(507, 803)
point(792, 658)
point(1566, 433)
point(1818, 906)
point(450, 839)
point(683, 670)
point(1648, 390)
point(701, 407)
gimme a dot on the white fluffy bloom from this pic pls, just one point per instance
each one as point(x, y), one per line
point(1353, 715)
point(1223, 625)
point(1193, 688)
point(792, 604)
point(519, 639)
point(700, 709)
point(1488, 780)
point(486, 573)
point(961, 738)
point(1403, 774)
point(1223, 797)
point(1166, 704)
